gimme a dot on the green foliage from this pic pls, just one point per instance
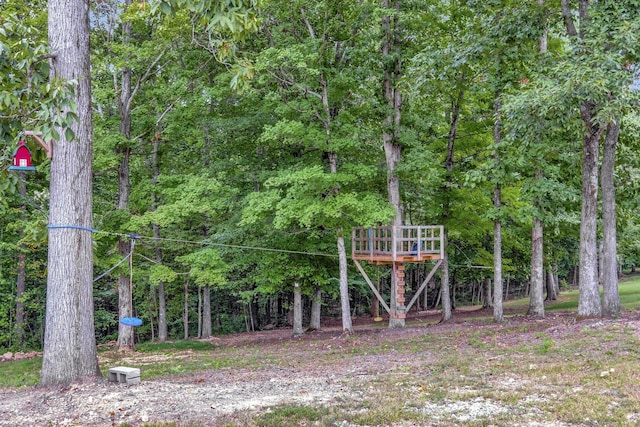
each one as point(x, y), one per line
point(161, 273)
point(29, 98)
point(206, 267)
point(235, 17)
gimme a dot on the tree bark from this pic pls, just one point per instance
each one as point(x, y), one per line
point(162, 302)
point(445, 295)
point(611, 302)
point(393, 98)
point(297, 310)
point(498, 312)
point(185, 310)
point(123, 150)
point(536, 297)
point(551, 286)
point(347, 326)
point(589, 304)
point(70, 352)
point(375, 305)
point(206, 311)
point(488, 300)
point(316, 309)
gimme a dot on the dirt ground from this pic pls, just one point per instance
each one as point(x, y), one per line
point(206, 398)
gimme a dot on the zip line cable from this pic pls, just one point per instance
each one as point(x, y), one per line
point(134, 237)
point(224, 245)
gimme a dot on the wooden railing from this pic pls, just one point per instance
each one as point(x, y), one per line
point(398, 243)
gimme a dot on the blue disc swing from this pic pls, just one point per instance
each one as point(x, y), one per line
point(131, 321)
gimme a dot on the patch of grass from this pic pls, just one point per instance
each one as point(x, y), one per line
point(289, 415)
point(174, 346)
point(545, 345)
point(628, 289)
point(20, 373)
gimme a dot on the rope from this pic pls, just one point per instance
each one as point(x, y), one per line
point(194, 242)
point(157, 239)
point(76, 227)
point(133, 244)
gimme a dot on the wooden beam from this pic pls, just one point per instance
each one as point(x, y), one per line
point(373, 288)
point(48, 146)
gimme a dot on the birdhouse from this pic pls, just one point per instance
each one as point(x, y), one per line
point(22, 159)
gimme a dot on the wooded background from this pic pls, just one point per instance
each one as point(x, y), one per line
point(232, 149)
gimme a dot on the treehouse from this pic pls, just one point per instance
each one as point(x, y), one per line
point(386, 245)
point(395, 246)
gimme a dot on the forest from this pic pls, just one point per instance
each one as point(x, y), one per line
point(236, 144)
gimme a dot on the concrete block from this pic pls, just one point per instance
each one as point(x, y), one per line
point(124, 375)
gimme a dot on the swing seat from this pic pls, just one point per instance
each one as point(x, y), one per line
point(131, 321)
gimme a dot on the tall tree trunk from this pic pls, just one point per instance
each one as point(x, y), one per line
point(22, 272)
point(536, 297)
point(498, 312)
point(391, 126)
point(162, 302)
point(445, 295)
point(333, 169)
point(199, 334)
point(70, 352)
point(375, 305)
point(611, 303)
point(589, 304)
point(488, 300)
point(551, 286)
point(185, 310)
point(206, 312)
point(454, 120)
point(347, 326)
point(316, 309)
point(393, 98)
point(297, 310)
point(123, 150)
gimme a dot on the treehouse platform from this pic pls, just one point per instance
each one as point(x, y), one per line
point(391, 244)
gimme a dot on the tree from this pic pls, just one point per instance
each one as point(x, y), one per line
point(70, 352)
point(599, 42)
point(611, 302)
point(322, 179)
point(536, 302)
